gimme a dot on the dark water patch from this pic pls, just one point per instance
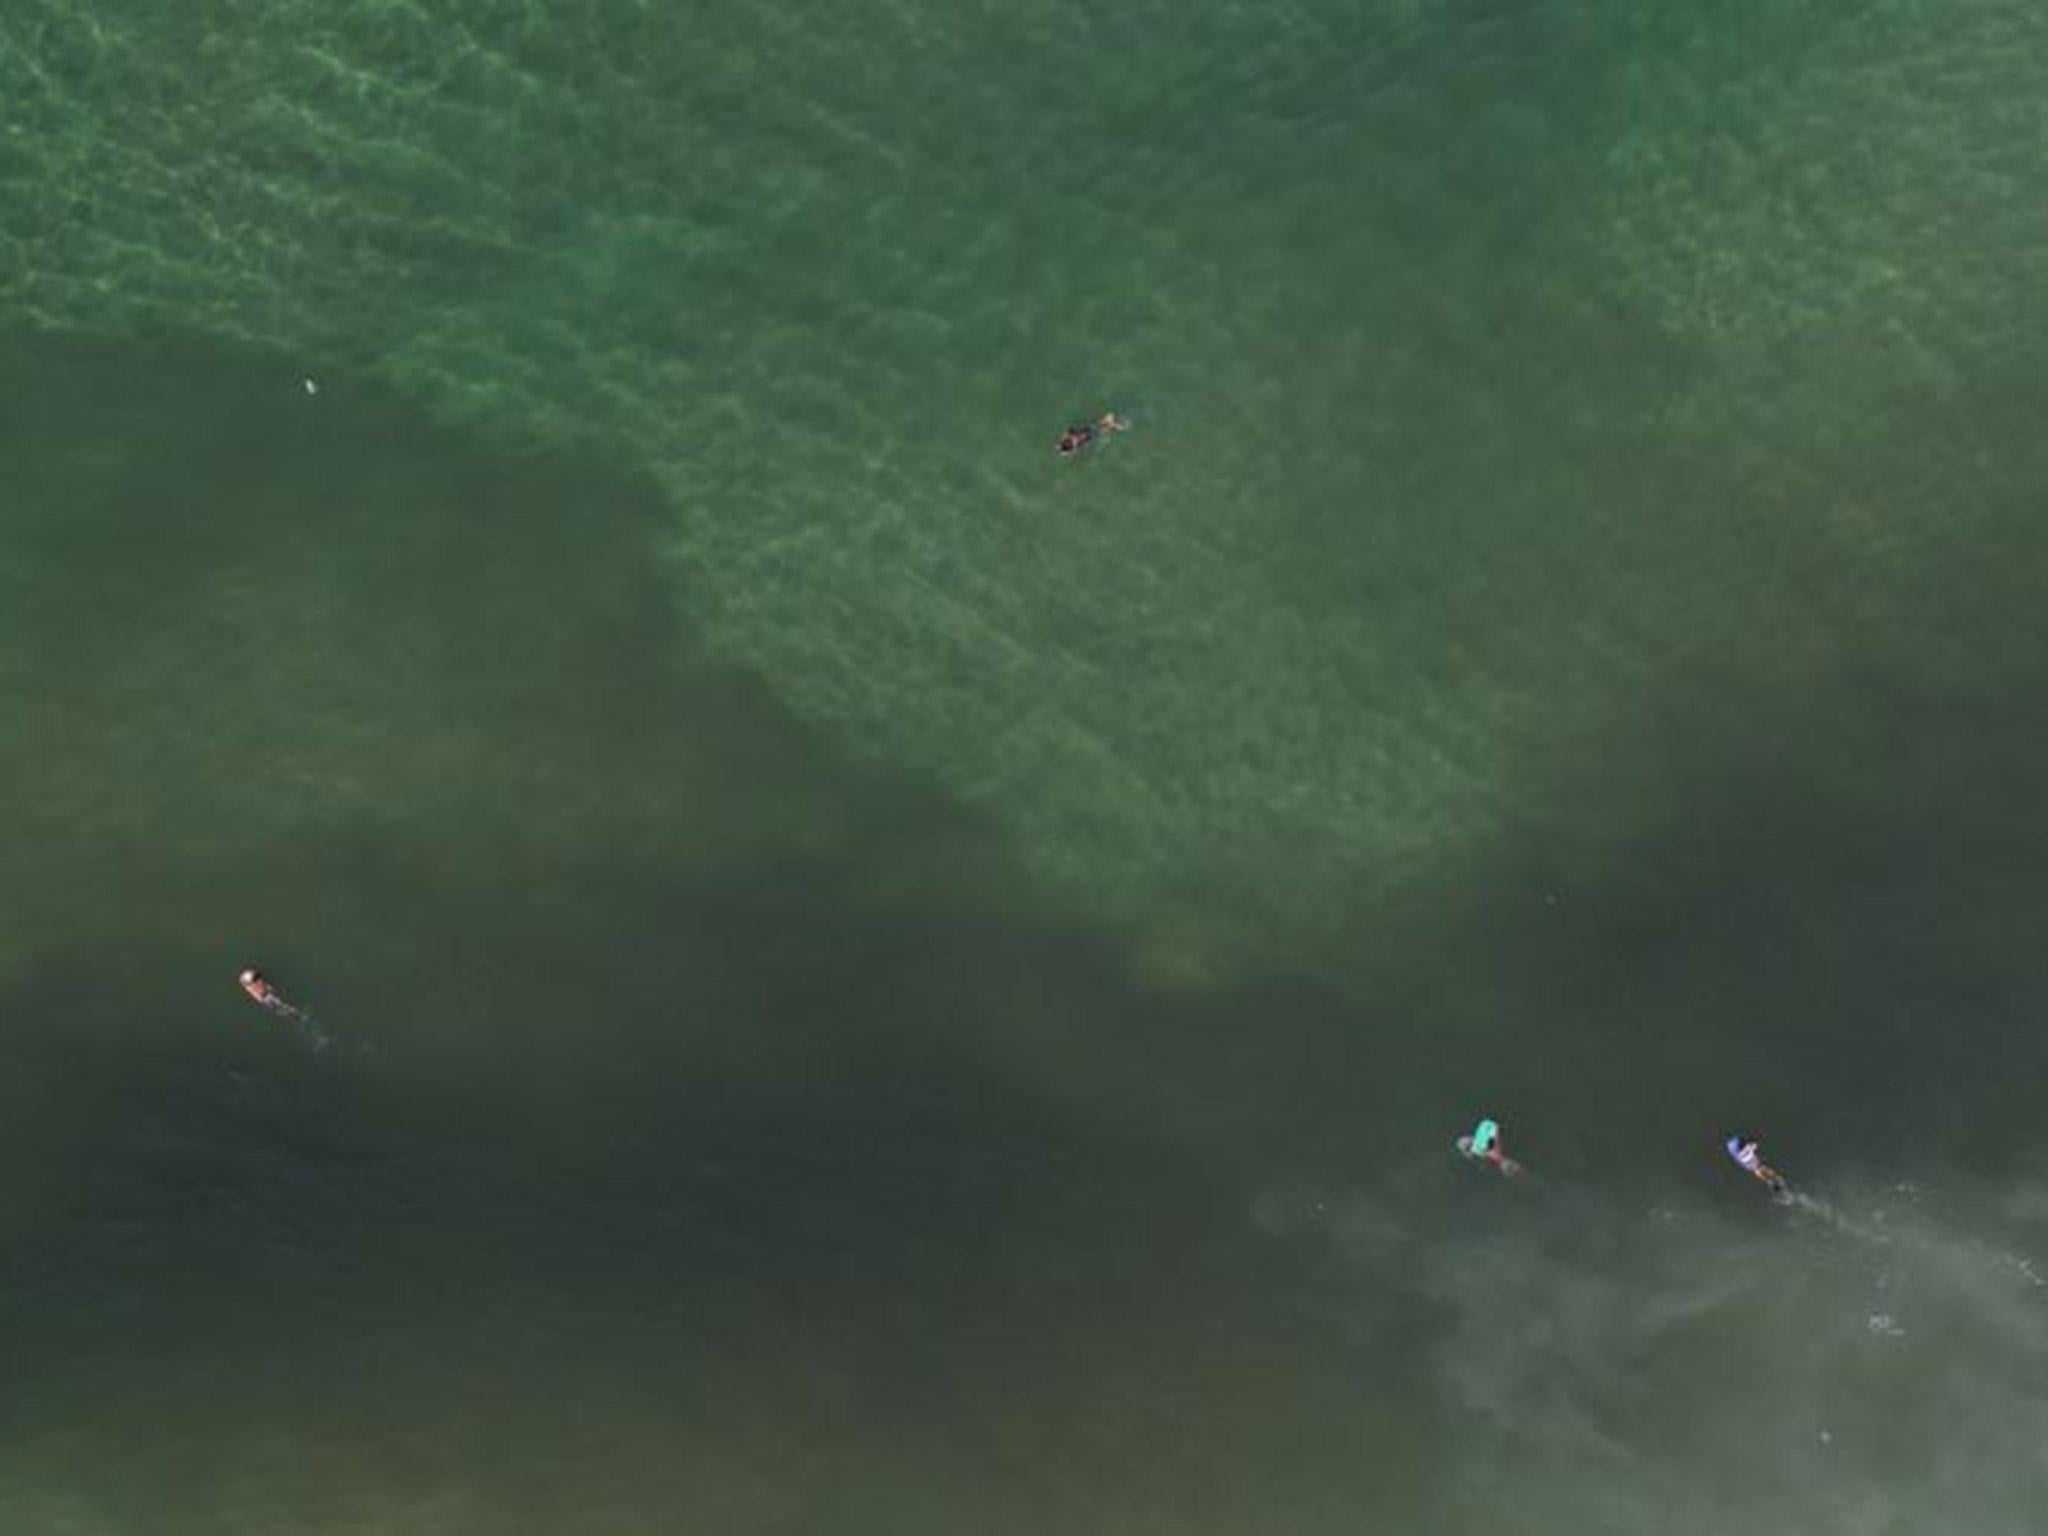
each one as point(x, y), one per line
point(1800, 906)
point(691, 1084)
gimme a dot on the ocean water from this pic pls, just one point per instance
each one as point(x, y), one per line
point(884, 982)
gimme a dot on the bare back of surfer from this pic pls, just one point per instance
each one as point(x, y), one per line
point(260, 991)
point(270, 1000)
point(1083, 434)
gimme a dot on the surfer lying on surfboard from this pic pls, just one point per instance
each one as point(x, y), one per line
point(1083, 433)
point(270, 1000)
point(1483, 1145)
point(1743, 1150)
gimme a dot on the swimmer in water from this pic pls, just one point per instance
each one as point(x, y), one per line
point(1083, 433)
point(1743, 1150)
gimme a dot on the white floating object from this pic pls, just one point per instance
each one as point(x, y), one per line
point(312, 388)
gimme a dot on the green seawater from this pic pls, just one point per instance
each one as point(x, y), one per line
point(885, 982)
